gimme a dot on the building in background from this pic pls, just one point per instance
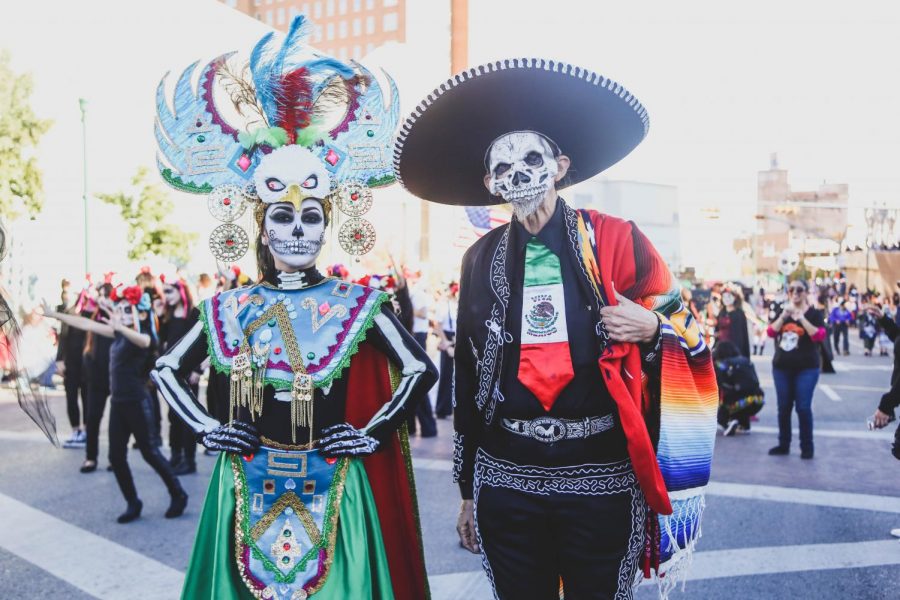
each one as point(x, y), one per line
point(653, 207)
point(811, 223)
point(342, 28)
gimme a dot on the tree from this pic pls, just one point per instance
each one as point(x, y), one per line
point(144, 209)
point(21, 183)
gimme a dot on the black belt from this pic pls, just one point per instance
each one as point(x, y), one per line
point(551, 429)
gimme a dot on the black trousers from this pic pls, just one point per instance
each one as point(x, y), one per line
point(584, 525)
point(423, 409)
point(182, 438)
point(75, 383)
point(129, 418)
point(444, 405)
point(98, 392)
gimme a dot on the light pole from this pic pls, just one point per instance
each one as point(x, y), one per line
point(82, 104)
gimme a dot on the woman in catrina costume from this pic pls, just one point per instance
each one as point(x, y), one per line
point(312, 495)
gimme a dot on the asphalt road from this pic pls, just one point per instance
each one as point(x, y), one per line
point(774, 527)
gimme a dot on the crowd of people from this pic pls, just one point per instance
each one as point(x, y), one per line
point(810, 323)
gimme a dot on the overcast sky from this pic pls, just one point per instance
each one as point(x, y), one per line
point(725, 83)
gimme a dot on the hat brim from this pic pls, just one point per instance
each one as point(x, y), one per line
point(439, 153)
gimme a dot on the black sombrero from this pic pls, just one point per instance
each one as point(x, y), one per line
point(439, 153)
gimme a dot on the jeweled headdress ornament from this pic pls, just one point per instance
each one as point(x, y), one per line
point(318, 127)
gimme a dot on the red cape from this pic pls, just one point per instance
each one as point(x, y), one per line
point(369, 387)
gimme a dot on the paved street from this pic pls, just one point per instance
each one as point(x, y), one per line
point(775, 527)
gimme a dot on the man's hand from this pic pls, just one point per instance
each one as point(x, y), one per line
point(236, 437)
point(628, 321)
point(465, 527)
point(880, 419)
point(344, 439)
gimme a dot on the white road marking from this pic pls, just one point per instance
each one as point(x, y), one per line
point(93, 564)
point(716, 564)
point(832, 395)
point(886, 504)
point(862, 434)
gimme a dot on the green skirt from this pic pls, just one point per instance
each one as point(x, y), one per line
point(359, 569)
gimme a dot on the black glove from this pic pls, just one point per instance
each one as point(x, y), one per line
point(346, 440)
point(236, 437)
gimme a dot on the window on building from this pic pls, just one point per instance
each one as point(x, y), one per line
point(257, 2)
point(390, 3)
point(269, 16)
point(342, 53)
point(357, 26)
point(268, 1)
point(317, 36)
point(370, 24)
point(231, 3)
point(357, 52)
point(357, 5)
point(369, 47)
point(370, 4)
point(317, 10)
point(329, 8)
point(293, 12)
point(329, 31)
point(342, 29)
point(280, 15)
point(342, 7)
point(390, 22)
point(305, 9)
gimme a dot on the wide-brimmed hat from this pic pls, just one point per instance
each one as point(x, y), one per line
point(439, 153)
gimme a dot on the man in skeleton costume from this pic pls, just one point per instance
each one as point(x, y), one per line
point(585, 399)
point(321, 372)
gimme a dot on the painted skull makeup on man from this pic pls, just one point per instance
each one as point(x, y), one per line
point(295, 237)
point(522, 168)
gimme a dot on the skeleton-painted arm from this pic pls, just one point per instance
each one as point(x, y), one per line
point(417, 373)
point(170, 376)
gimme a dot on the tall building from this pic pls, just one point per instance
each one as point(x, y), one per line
point(811, 223)
point(342, 28)
point(653, 208)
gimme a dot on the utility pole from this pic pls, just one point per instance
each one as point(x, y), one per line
point(82, 104)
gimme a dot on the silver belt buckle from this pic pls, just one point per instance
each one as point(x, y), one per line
point(547, 429)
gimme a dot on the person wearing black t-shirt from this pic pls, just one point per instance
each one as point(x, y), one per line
point(131, 356)
point(798, 328)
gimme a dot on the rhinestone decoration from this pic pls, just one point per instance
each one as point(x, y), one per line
point(250, 192)
point(357, 236)
point(354, 198)
point(228, 242)
point(226, 202)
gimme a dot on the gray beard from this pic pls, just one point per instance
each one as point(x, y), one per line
point(526, 207)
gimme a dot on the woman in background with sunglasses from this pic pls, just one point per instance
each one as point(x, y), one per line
point(797, 329)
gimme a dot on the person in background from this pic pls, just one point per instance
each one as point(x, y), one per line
point(739, 391)
point(884, 414)
point(447, 334)
point(70, 360)
point(797, 329)
point(131, 326)
point(96, 366)
point(421, 303)
point(868, 327)
point(731, 324)
point(840, 319)
point(825, 352)
point(206, 287)
point(179, 315)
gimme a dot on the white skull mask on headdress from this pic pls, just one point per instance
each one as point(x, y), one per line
point(522, 169)
point(292, 182)
point(290, 174)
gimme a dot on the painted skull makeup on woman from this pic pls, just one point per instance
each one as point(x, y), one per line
point(172, 295)
point(294, 237)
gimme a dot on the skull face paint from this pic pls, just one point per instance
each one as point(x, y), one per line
point(294, 237)
point(522, 170)
point(172, 295)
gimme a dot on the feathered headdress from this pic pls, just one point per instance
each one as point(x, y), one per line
point(303, 113)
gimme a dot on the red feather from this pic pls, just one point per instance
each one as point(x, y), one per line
point(294, 102)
